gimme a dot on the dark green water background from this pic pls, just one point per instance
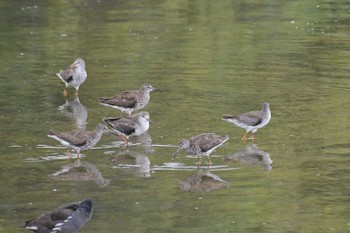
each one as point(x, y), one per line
point(211, 58)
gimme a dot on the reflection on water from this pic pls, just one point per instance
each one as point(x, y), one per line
point(339, 149)
point(178, 166)
point(61, 156)
point(202, 181)
point(80, 171)
point(251, 155)
point(212, 59)
point(137, 162)
point(144, 140)
point(76, 111)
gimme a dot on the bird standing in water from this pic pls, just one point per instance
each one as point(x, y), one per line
point(132, 125)
point(79, 139)
point(73, 76)
point(251, 121)
point(201, 145)
point(130, 101)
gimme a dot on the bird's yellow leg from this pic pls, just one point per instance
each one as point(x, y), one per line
point(209, 161)
point(65, 92)
point(199, 161)
point(69, 155)
point(124, 140)
point(244, 136)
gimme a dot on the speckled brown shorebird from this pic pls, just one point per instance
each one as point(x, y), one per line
point(201, 145)
point(130, 101)
point(79, 140)
point(251, 121)
point(73, 76)
point(68, 218)
point(132, 125)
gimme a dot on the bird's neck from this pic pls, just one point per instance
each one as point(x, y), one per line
point(144, 124)
point(144, 95)
point(266, 111)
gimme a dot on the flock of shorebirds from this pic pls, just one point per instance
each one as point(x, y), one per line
point(71, 217)
point(137, 124)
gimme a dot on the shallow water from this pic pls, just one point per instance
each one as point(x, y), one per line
point(210, 59)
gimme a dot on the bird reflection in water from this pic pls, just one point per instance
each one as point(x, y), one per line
point(80, 171)
point(137, 162)
point(144, 140)
point(251, 155)
point(202, 181)
point(76, 111)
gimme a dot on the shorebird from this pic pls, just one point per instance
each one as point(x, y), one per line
point(251, 121)
point(79, 140)
point(68, 218)
point(132, 125)
point(130, 101)
point(74, 75)
point(201, 145)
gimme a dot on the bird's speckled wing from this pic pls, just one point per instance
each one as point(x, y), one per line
point(123, 125)
point(67, 75)
point(76, 137)
point(207, 141)
point(127, 99)
point(250, 118)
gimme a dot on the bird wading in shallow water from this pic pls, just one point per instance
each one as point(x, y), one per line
point(251, 121)
point(201, 145)
point(130, 101)
point(66, 219)
point(73, 76)
point(79, 140)
point(132, 125)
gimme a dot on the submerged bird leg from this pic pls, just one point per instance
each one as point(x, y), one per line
point(69, 155)
point(244, 136)
point(124, 140)
point(77, 91)
point(209, 161)
point(199, 161)
point(253, 136)
point(65, 92)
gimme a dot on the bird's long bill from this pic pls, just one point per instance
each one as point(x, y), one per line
point(149, 120)
point(113, 133)
point(72, 66)
point(176, 152)
point(157, 89)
